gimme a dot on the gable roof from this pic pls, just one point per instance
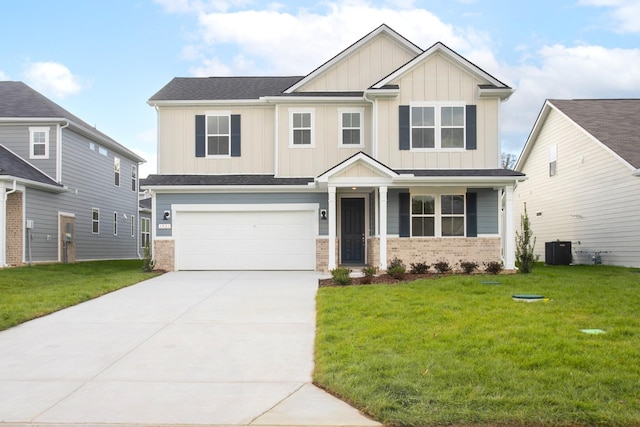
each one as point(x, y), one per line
point(13, 167)
point(382, 29)
point(493, 85)
point(19, 101)
point(222, 88)
point(612, 122)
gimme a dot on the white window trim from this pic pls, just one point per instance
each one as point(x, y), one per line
point(311, 111)
point(115, 223)
point(208, 114)
point(116, 161)
point(134, 178)
point(143, 232)
point(438, 213)
point(438, 127)
point(553, 158)
point(32, 131)
point(359, 111)
point(95, 221)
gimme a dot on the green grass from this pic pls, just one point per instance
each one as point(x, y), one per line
point(454, 351)
point(30, 292)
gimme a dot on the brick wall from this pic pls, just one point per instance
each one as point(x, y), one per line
point(163, 255)
point(15, 230)
point(322, 254)
point(452, 250)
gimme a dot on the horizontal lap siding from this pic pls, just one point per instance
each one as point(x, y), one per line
point(16, 138)
point(593, 199)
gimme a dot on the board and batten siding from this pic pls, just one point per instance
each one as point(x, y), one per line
point(305, 161)
point(164, 202)
point(16, 138)
point(89, 177)
point(438, 79)
point(176, 141)
point(362, 68)
point(592, 201)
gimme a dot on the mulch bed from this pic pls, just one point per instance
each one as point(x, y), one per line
point(381, 278)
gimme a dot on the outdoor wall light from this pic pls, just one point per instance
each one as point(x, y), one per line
point(166, 215)
point(323, 214)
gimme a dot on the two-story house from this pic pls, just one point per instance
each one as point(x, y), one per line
point(67, 191)
point(386, 150)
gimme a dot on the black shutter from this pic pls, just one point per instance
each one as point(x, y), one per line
point(405, 215)
point(471, 127)
point(472, 214)
point(404, 137)
point(235, 135)
point(200, 136)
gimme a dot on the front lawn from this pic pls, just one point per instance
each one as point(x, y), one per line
point(456, 351)
point(30, 292)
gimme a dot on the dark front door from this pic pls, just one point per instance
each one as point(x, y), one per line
point(352, 226)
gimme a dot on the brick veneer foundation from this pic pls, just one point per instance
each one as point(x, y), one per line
point(163, 255)
point(15, 230)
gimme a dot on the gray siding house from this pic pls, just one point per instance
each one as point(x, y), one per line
point(67, 191)
point(386, 150)
point(583, 163)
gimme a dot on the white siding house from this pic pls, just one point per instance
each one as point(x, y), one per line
point(583, 186)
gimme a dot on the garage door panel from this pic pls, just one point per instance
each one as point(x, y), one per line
point(254, 240)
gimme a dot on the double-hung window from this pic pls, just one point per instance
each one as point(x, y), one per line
point(144, 232)
point(116, 171)
point(553, 160)
point(38, 142)
point(438, 216)
point(218, 135)
point(350, 127)
point(134, 178)
point(437, 126)
point(95, 221)
point(301, 131)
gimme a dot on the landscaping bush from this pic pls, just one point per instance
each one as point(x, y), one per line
point(420, 267)
point(147, 262)
point(341, 276)
point(442, 267)
point(369, 273)
point(468, 267)
point(396, 269)
point(493, 267)
point(525, 244)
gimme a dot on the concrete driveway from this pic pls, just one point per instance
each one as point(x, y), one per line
point(185, 348)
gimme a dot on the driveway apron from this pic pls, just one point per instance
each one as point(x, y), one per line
point(184, 348)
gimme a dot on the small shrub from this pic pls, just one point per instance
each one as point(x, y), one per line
point(396, 269)
point(341, 276)
point(442, 267)
point(420, 267)
point(369, 273)
point(147, 262)
point(525, 244)
point(468, 267)
point(493, 267)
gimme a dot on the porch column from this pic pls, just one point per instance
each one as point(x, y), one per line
point(332, 228)
point(509, 234)
point(383, 228)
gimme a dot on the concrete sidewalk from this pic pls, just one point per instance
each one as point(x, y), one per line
point(185, 348)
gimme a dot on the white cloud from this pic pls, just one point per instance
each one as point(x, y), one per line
point(52, 78)
point(625, 13)
point(566, 73)
point(3, 76)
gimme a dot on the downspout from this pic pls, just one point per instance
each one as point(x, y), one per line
point(276, 142)
point(59, 151)
point(3, 230)
point(374, 128)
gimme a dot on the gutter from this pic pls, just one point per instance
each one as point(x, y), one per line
point(59, 150)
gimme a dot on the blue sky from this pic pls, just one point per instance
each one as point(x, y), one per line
point(102, 60)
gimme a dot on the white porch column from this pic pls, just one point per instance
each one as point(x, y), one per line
point(3, 225)
point(509, 234)
point(332, 228)
point(383, 228)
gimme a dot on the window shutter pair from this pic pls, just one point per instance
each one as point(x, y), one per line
point(405, 214)
point(404, 137)
point(201, 137)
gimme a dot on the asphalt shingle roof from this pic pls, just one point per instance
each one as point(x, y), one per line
point(14, 166)
point(222, 88)
point(614, 122)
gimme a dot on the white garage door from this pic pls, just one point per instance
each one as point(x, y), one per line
point(245, 240)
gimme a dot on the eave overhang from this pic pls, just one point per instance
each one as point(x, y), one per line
point(34, 184)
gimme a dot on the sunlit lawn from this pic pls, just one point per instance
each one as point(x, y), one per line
point(458, 351)
point(30, 292)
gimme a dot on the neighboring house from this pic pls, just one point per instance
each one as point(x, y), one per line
point(67, 191)
point(582, 161)
point(384, 151)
